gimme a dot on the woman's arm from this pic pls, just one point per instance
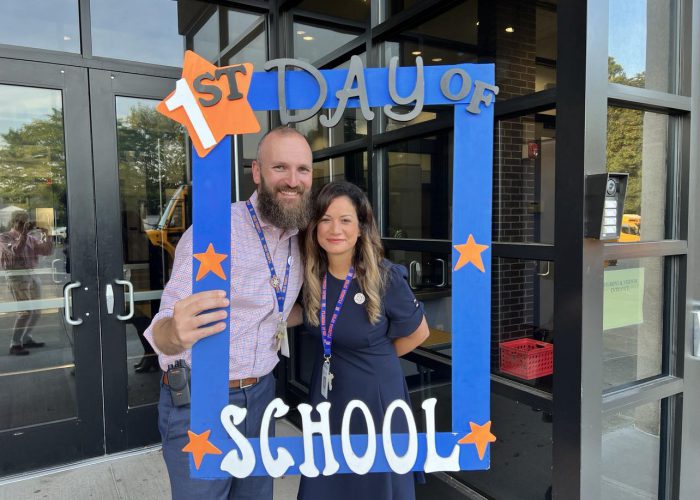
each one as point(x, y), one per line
point(404, 345)
point(296, 316)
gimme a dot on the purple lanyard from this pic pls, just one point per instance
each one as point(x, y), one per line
point(281, 293)
point(327, 334)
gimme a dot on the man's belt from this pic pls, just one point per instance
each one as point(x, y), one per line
point(242, 383)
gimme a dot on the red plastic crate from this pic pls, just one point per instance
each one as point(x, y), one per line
point(527, 358)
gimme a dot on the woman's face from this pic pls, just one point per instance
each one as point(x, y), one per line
point(338, 230)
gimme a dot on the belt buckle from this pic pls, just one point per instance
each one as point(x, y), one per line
point(242, 386)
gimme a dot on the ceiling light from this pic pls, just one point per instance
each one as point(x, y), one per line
point(510, 29)
point(436, 59)
point(416, 52)
point(477, 23)
point(308, 38)
point(301, 32)
point(66, 38)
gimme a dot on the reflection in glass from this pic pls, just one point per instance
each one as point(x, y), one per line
point(633, 320)
point(36, 363)
point(352, 167)
point(631, 451)
point(239, 23)
point(641, 41)
point(522, 317)
point(311, 43)
point(523, 205)
point(126, 30)
point(155, 205)
point(638, 144)
point(206, 41)
point(419, 188)
point(42, 24)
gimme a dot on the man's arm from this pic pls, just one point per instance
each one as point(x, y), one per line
point(190, 322)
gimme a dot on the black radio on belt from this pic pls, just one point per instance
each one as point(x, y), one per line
point(179, 382)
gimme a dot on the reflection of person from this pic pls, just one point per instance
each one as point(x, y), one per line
point(283, 175)
point(21, 247)
point(362, 336)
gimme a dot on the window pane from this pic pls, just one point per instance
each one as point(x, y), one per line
point(419, 188)
point(37, 364)
point(523, 205)
point(239, 22)
point(640, 44)
point(633, 319)
point(352, 167)
point(128, 30)
point(42, 24)
point(206, 41)
point(311, 43)
point(155, 210)
point(638, 145)
point(631, 451)
point(522, 321)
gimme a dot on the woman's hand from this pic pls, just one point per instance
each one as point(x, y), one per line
point(296, 316)
point(404, 345)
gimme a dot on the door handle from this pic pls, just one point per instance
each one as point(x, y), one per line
point(443, 265)
point(415, 274)
point(53, 270)
point(68, 304)
point(130, 291)
point(109, 298)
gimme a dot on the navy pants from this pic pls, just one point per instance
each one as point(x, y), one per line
point(173, 423)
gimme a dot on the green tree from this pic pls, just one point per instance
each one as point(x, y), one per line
point(624, 145)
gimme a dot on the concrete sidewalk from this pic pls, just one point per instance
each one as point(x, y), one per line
point(136, 475)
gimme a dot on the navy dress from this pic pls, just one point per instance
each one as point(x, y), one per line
point(365, 367)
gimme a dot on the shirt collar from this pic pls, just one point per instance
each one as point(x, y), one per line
point(265, 224)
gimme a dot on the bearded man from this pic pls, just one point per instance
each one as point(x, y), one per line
point(270, 219)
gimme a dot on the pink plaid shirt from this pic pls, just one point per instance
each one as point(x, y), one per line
point(253, 312)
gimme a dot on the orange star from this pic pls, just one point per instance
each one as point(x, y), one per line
point(470, 252)
point(199, 446)
point(210, 261)
point(480, 436)
point(211, 102)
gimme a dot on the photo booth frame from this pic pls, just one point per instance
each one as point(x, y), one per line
point(469, 88)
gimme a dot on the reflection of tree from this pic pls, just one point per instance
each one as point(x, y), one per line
point(151, 157)
point(33, 165)
point(624, 147)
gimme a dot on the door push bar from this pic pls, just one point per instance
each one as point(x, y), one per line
point(68, 304)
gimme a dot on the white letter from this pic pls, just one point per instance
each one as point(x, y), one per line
point(242, 465)
point(359, 465)
point(356, 72)
point(308, 468)
point(183, 97)
point(275, 467)
point(434, 462)
point(478, 96)
point(400, 465)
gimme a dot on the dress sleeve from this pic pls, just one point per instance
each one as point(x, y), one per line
point(403, 310)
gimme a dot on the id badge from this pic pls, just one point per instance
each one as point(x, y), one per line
point(325, 379)
point(284, 345)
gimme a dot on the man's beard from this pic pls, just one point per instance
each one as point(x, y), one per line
point(276, 213)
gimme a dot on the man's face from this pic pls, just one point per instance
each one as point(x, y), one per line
point(283, 175)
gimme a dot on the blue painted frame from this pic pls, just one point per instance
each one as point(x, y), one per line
point(471, 288)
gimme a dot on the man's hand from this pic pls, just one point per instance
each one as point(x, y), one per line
point(190, 323)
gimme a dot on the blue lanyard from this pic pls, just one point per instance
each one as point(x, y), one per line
point(327, 334)
point(280, 292)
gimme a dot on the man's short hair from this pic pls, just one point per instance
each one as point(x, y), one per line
point(281, 130)
point(19, 216)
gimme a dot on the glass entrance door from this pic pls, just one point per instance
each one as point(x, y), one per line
point(50, 408)
point(142, 202)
